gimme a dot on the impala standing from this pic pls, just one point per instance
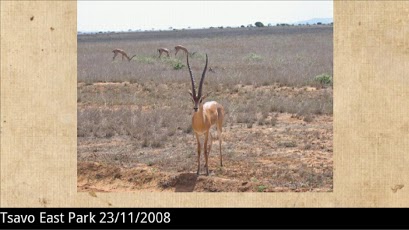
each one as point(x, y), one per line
point(163, 50)
point(204, 117)
point(179, 47)
point(119, 51)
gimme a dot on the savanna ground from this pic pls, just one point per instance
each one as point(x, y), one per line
point(134, 118)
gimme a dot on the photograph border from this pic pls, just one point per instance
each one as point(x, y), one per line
point(39, 114)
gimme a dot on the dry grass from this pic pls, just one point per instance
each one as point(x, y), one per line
point(291, 56)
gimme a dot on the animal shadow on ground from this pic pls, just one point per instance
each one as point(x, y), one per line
point(186, 182)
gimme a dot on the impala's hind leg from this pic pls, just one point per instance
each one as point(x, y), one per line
point(210, 143)
point(220, 117)
point(219, 133)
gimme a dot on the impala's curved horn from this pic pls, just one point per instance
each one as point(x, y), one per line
point(202, 79)
point(191, 77)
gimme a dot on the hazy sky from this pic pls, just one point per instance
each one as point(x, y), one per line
point(147, 15)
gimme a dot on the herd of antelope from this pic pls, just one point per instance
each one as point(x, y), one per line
point(160, 50)
point(177, 48)
point(205, 115)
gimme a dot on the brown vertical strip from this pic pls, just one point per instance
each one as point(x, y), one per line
point(38, 103)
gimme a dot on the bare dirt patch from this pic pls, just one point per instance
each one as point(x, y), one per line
point(291, 155)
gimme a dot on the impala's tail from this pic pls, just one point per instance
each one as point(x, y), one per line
point(220, 117)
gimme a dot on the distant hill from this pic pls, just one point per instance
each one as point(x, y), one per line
point(315, 21)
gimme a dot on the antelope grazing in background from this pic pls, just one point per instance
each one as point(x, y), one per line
point(204, 117)
point(163, 50)
point(119, 51)
point(179, 47)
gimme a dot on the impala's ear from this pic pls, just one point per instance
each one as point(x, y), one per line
point(192, 97)
point(206, 95)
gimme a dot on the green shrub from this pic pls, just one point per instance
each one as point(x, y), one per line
point(324, 79)
point(178, 66)
point(261, 188)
